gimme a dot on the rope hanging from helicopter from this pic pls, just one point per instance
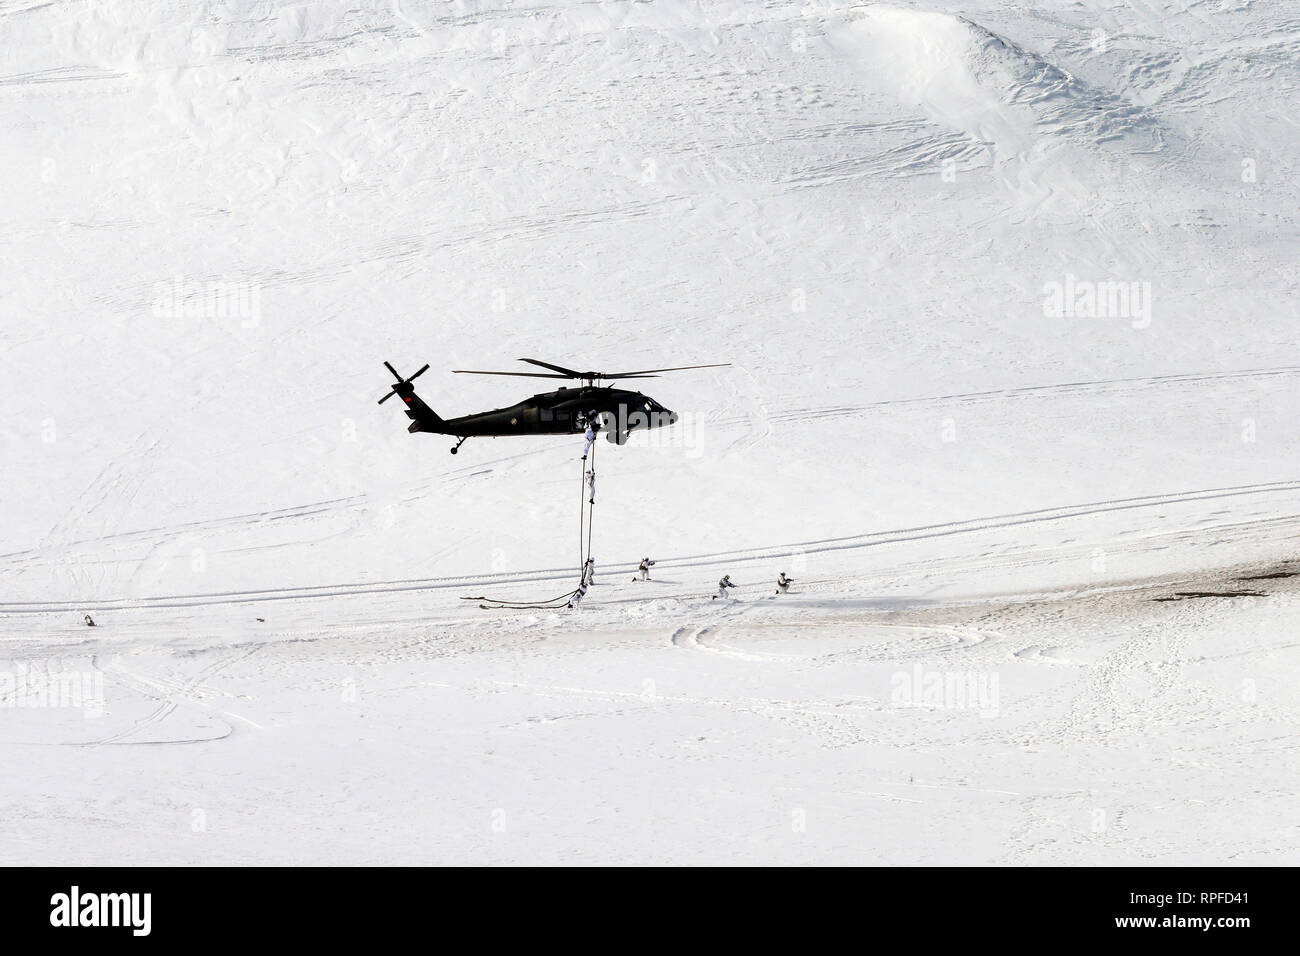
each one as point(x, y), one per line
point(589, 495)
point(585, 523)
point(591, 482)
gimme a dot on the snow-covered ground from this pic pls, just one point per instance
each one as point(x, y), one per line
point(1010, 297)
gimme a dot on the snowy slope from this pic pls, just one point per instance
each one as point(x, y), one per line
point(895, 221)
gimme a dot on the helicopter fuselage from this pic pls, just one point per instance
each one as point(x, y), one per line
point(565, 411)
point(616, 411)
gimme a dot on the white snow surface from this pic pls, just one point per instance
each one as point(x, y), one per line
point(220, 218)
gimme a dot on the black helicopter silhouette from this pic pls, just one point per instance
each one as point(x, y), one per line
point(617, 411)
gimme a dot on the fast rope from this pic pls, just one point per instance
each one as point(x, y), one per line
point(587, 487)
point(589, 477)
point(582, 512)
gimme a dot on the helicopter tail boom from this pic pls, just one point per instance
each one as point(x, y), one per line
point(423, 418)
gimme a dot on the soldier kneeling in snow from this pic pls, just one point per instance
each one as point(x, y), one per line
point(783, 583)
point(722, 587)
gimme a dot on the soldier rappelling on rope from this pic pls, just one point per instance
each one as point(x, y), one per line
point(589, 434)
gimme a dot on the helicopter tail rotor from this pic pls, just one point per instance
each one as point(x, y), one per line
point(403, 386)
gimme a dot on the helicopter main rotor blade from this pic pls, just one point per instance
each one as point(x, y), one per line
point(568, 372)
point(394, 371)
point(470, 371)
point(418, 374)
point(559, 371)
point(646, 371)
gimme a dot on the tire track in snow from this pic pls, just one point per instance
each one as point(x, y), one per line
point(1028, 391)
point(694, 638)
point(260, 518)
point(170, 695)
point(844, 543)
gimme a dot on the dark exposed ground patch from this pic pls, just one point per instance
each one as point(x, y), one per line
point(1183, 595)
point(1227, 582)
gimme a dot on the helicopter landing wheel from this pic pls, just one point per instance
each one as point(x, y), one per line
point(456, 449)
point(458, 444)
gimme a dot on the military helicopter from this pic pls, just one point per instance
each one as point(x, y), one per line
point(617, 411)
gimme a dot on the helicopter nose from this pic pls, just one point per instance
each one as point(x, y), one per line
point(672, 418)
